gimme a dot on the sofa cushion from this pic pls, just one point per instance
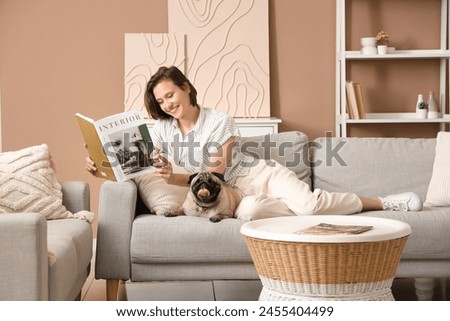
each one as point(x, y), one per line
point(430, 237)
point(187, 239)
point(158, 196)
point(290, 149)
point(373, 166)
point(438, 193)
point(70, 241)
point(29, 185)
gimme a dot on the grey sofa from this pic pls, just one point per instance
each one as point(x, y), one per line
point(25, 239)
point(134, 245)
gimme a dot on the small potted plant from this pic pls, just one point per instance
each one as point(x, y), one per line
point(382, 42)
point(422, 110)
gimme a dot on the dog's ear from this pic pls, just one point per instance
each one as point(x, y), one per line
point(192, 177)
point(219, 175)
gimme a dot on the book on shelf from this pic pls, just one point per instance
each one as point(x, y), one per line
point(359, 100)
point(120, 145)
point(352, 104)
point(333, 229)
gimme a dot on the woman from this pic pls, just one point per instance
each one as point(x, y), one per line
point(199, 138)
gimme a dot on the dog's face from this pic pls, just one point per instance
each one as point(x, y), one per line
point(206, 187)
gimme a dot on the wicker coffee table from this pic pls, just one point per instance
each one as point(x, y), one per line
point(297, 266)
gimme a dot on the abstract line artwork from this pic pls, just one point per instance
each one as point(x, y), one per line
point(227, 52)
point(223, 48)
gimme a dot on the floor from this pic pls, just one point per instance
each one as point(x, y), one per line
point(95, 290)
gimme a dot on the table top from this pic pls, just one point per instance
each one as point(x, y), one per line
point(291, 229)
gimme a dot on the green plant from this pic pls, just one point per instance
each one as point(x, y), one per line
point(422, 105)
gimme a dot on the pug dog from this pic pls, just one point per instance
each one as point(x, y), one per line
point(209, 196)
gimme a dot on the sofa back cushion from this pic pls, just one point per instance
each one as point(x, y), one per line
point(372, 166)
point(290, 149)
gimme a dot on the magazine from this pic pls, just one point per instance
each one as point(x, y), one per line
point(332, 229)
point(120, 145)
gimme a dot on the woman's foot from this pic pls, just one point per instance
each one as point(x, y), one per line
point(402, 202)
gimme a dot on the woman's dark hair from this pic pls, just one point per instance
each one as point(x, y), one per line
point(178, 78)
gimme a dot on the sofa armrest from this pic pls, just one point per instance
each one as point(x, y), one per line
point(116, 212)
point(23, 257)
point(76, 196)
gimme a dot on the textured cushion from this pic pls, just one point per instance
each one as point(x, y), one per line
point(438, 193)
point(290, 149)
point(159, 196)
point(29, 185)
point(373, 166)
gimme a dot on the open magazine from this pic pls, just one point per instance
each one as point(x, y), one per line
point(120, 145)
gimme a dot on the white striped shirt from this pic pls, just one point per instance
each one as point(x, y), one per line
point(192, 151)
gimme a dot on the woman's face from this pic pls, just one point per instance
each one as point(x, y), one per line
point(172, 99)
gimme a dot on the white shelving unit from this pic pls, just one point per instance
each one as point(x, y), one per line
point(343, 57)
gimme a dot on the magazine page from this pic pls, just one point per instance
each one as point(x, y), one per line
point(127, 143)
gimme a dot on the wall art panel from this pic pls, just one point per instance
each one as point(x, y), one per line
point(227, 52)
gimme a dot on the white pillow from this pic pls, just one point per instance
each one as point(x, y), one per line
point(158, 196)
point(28, 184)
point(438, 193)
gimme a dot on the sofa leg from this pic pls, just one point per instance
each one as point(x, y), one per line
point(424, 288)
point(112, 289)
point(443, 282)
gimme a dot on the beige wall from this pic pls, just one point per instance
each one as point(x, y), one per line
point(61, 57)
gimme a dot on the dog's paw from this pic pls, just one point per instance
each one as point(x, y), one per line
point(175, 212)
point(170, 214)
point(215, 219)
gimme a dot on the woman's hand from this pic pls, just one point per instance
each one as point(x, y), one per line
point(163, 168)
point(90, 165)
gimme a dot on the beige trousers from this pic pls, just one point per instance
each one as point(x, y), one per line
point(272, 190)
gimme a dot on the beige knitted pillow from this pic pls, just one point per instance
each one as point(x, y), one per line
point(438, 193)
point(28, 184)
point(158, 196)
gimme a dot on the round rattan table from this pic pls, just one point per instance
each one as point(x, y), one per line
point(294, 265)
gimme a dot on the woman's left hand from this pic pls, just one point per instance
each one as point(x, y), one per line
point(163, 169)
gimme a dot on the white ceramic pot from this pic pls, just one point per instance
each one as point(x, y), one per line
point(368, 41)
point(368, 46)
point(422, 113)
point(382, 49)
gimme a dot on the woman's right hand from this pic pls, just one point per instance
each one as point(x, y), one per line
point(90, 165)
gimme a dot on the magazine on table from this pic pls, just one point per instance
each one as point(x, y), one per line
point(120, 145)
point(332, 229)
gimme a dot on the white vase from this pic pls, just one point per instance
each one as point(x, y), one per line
point(368, 46)
point(433, 110)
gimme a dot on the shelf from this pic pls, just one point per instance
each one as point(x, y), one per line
point(400, 54)
point(345, 59)
point(386, 118)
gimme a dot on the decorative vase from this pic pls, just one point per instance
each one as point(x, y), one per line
point(368, 46)
point(382, 49)
point(421, 113)
point(433, 112)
